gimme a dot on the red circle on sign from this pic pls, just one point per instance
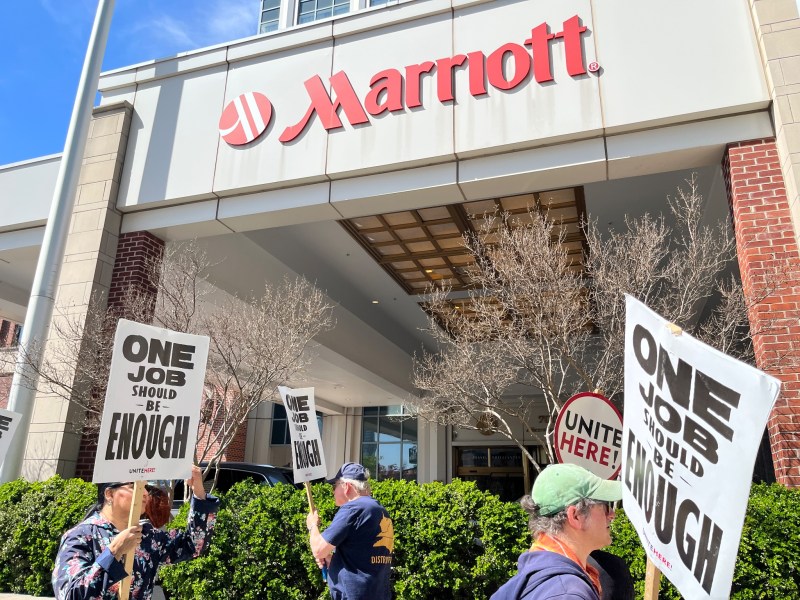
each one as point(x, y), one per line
point(613, 413)
point(245, 118)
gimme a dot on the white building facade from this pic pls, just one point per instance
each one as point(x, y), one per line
point(275, 151)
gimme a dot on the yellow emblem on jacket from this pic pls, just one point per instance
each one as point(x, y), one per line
point(386, 536)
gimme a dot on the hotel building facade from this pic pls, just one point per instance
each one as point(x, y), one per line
point(354, 144)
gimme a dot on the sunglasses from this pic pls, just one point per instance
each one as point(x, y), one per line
point(609, 507)
point(151, 489)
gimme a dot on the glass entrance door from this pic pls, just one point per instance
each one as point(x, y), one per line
point(495, 469)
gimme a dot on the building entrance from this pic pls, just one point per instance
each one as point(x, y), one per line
point(495, 469)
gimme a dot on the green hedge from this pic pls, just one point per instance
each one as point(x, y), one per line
point(33, 516)
point(768, 563)
point(452, 541)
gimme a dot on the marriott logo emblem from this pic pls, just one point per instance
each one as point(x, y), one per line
point(511, 65)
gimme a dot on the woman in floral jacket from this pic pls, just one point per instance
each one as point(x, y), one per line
point(89, 563)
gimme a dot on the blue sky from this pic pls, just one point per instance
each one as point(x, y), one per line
point(43, 44)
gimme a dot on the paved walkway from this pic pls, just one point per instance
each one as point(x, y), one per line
point(157, 595)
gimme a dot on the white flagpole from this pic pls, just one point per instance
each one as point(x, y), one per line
point(40, 305)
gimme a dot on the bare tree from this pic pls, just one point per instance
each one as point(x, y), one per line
point(76, 364)
point(256, 343)
point(537, 327)
point(255, 346)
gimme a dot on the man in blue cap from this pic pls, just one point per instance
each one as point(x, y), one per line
point(570, 512)
point(357, 546)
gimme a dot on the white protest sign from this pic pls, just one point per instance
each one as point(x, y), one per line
point(152, 406)
point(309, 459)
point(693, 421)
point(588, 433)
point(8, 425)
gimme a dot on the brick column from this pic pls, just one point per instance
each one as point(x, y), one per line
point(136, 253)
point(235, 452)
point(770, 266)
point(8, 332)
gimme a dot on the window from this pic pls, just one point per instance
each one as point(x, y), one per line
point(280, 426)
point(314, 10)
point(389, 443)
point(270, 13)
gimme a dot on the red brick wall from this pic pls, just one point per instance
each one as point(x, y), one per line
point(235, 452)
point(137, 253)
point(7, 329)
point(769, 262)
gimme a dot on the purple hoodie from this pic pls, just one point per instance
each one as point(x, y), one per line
point(542, 575)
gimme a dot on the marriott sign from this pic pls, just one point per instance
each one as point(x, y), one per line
point(393, 90)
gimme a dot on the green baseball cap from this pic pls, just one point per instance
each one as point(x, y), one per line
point(560, 486)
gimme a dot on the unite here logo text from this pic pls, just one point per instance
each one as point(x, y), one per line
point(246, 117)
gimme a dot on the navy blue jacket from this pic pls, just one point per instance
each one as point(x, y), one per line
point(542, 575)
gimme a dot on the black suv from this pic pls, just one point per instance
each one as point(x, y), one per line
point(231, 473)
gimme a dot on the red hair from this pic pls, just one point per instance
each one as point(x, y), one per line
point(157, 508)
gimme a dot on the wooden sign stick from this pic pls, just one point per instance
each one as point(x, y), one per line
point(133, 519)
point(652, 581)
point(311, 506)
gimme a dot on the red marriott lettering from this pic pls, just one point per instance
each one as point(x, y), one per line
point(392, 90)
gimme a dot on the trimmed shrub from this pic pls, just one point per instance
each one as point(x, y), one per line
point(33, 516)
point(768, 564)
point(259, 549)
point(451, 541)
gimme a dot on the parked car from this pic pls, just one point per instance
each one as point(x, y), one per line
point(231, 473)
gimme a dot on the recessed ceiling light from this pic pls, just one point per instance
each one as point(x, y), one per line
point(429, 270)
point(376, 302)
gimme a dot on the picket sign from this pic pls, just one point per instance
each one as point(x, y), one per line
point(133, 519)
point(693, 422)
point(8, 425)
point(308, 457)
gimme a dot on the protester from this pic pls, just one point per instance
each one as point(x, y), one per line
point(90, 565)
point(570, 514)
point(615, 576)
point(357, 547)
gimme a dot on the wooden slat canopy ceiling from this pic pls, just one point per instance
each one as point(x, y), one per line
point(426, 246)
